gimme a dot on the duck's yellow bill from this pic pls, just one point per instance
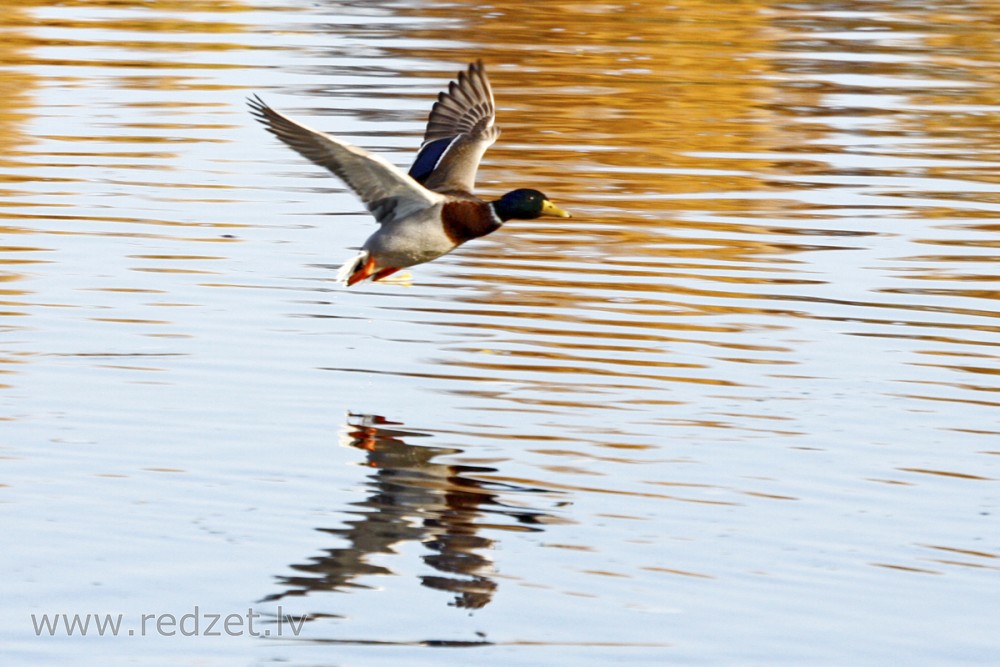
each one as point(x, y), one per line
point(548, 208)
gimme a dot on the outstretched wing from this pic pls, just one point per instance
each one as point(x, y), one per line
point(388, 193)
point(459, 130)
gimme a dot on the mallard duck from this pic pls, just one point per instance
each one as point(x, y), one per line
point(431, 210)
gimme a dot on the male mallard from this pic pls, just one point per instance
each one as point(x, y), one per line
point(430, 211)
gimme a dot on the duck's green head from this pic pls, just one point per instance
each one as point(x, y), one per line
point(526, 204)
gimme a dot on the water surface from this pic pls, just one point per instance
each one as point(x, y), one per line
point(741, 409)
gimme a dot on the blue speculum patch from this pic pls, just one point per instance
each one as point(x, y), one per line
point(428, 158)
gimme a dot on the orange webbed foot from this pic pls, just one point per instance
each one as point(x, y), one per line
point(362, 272)
point(384, 273)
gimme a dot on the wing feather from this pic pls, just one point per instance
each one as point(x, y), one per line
point(459, 130)
point(388, 193)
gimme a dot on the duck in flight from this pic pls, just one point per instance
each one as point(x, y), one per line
point(431, 210)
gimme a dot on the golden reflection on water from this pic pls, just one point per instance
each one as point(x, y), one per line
point(691, 144)
point(74, 49)
point(16, 86)
point(712, 153)
point(684, 137)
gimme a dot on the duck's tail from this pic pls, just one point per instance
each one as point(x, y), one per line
point(352, 267)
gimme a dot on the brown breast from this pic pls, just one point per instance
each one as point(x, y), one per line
point(467, 219)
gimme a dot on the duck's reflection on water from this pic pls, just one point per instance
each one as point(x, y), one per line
point(413, 498)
